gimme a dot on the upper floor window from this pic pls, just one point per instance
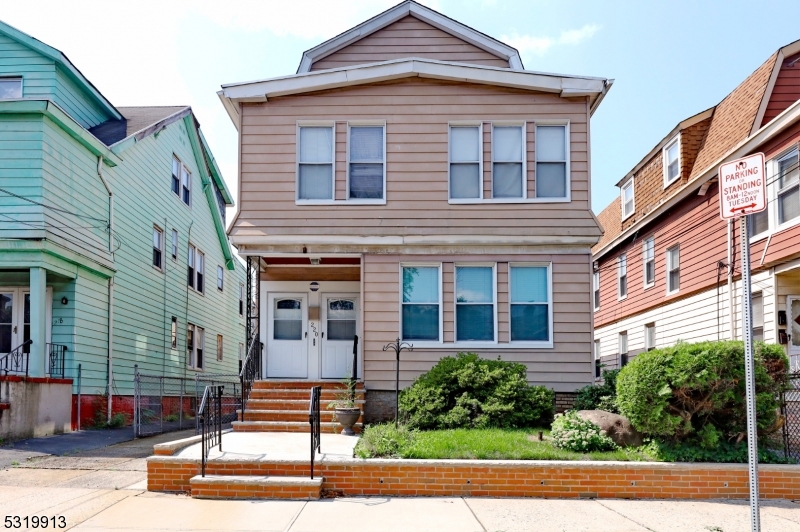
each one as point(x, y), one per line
point(366, 169)
point(465, 155)
point(10, 88)
point(220, 277)
point(158, 247)
point(758, 223)
point(219, 347)
point(508, 162)
point(174, 333)
point(622, 277)
point(530, 303)
point(475, 308)
point(195, 345)
point(181, 181)
point(176, 176)
point(627, 199)
point(315, 163)
point(788, 187)
point(672, 161)
point(596, 287)
point(551, 162)
point(241, 299)
point(674, 269)
point(421, 307)
point(174, 244)
point(196, 271)
point(649, 261)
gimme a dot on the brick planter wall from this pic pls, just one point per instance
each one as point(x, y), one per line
point(475, 478)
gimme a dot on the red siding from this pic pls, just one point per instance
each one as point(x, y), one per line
point(787, 88)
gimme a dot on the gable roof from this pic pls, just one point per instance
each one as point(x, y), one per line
point(411, 8)
point(61, 59)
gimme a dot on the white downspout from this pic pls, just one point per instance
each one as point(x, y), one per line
point(731, 320)
point(110, 383)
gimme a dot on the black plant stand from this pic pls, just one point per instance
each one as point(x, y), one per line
point(397, 346)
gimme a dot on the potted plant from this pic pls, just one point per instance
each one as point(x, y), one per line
point(344, 407)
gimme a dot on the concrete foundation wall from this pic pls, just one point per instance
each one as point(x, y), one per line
point(36, 407)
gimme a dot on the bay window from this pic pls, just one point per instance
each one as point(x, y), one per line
point(551, 161)
point(421, 303)
point(530, 303)
point(366, 170)
point(475, 304)
point(508, 162)
point(315, 163)
point(465, 155)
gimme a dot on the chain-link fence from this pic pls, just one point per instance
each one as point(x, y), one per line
point(790, 407)
point(165, 404)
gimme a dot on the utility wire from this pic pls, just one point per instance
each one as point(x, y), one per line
point(53, 208)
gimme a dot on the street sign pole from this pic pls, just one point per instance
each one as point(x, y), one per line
point(749, 375)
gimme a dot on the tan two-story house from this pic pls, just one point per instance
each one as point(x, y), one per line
point(412, 180)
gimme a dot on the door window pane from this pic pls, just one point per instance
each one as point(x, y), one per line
point(341, 319)
point(288, 320)
point(529, 304)
point(795, 310)
point(465, 178)
point(6, 321)
point(474, 303)
point(26, 322)
point(366, 162)
point(420, 313)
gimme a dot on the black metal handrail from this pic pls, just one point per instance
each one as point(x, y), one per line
point(251, 370)
point(16, 361)
point(210, 423)
point(55, 353)
point(314, 421)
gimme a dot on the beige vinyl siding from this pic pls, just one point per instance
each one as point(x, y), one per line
point(417, 113)
point(408, 37)
point(565, 367)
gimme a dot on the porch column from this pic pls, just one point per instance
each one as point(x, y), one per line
point(38, 357)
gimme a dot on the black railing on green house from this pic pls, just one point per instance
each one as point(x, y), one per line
point(251, 371)
point(56, 354)
point(210, 423)
point(314, 421)
point(16, 361)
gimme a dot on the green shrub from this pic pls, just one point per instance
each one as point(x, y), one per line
point(468, 391)
point(572, 433)
point(599, 396)
point(724, 452)
point(696, 392)
point(383, 441)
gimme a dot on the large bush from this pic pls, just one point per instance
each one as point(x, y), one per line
point(696, 392)
point(573, 433)
point(599, 396)
point(468, 391)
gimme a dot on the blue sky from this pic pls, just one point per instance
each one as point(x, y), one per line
point(670, 60)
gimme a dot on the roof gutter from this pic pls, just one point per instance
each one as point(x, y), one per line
point(606, 87)
point(773, 128)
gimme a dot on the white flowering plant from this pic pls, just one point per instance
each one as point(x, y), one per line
point(572, 433)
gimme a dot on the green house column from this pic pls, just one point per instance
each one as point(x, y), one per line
point(38, 298)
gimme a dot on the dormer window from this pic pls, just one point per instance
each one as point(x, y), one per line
point(10, 88)
point(627, 199)
point(672, 161)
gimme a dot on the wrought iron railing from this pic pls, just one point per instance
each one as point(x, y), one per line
point(210, 423)
point(56, 353)
point(16, 361)
point(251, 370)
point(314, 421)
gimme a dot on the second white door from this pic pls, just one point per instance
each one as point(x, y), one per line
point(339, 327)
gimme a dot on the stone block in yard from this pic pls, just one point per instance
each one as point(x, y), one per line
point(616, 427)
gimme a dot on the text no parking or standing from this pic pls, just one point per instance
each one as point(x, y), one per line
point(742, 187)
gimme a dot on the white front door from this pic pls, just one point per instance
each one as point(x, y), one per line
point(15, 318)
point(793, 319)
point(287, 329)
point(339, 326)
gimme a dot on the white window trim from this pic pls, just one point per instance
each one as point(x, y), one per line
point(669, 268)
point(222, 287)
point(620, 297)
point(450, 126)
point(477, 343)
point(425, 343)
point(628, 183)
point(524, 126)
point(595, 288)
point(776, 189)
point(664, 165)
point(313, 123)
point(357, 123)
point(182, 166)
point(645, 284)
point(21, 79)
point(627, 343)
point(543, 344)
point(194, 266)
point(568, 145)
point(162, 244)
point(648, 347)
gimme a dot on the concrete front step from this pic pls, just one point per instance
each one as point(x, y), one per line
point(297, 394)
point(255, 487)
point(306, 385)
point(286, 415)
point(288, 426)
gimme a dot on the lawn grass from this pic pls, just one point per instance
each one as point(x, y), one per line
point(480, 444)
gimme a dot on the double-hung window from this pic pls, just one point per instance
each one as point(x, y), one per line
point(174, 333)
point(596, 290)
point(508, 162)
point(366, 169)
point(674, 269)
point(672, 161)
point(650, 336)
point(552, 156)
point(241, 299)
point(186, 185)
point(315, 175)
point(196, 269)
point(465, 154)
point(422, 306)
point(176, 176)
point(220, 277)
point(623, 348)
point(174, 244)
point(788, 188)
point(649, 261)
point(195, 343)
point(622, 277)
point(10, 88)
point(757, 306)
point(475, 304)
point(158, 248)
point(626, 196)
point(530, 303)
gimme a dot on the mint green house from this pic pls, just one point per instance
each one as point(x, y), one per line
point(113, 250)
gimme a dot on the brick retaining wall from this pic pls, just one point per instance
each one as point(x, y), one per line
point(476, 478)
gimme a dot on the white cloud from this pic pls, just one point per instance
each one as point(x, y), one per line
point(539, 45)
